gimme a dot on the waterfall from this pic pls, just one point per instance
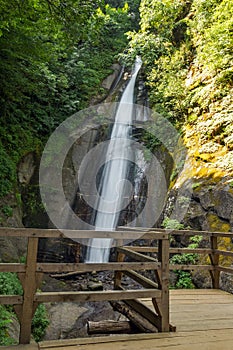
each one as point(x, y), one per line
point(113, 185)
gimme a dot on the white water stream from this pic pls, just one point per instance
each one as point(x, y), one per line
point(112, 186)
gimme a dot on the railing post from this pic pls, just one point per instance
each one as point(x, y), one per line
point(118, 274)
point(29, 288)
point(214, 258)
point(163, 257)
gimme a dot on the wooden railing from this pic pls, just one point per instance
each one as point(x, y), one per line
point(31, 274)
point(212, 251)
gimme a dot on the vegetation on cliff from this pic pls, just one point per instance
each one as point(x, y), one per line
point(187, 50)
point(53, 58)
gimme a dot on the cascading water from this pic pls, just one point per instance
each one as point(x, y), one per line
point(112, 184)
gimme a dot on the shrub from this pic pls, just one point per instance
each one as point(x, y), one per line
point(172, 224)
point(39, 323)
point(5, 320)
point(184, 279)
point(10, 285)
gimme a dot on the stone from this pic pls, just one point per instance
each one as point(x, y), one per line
point(95, 286)
point(224, 204)
point(68, 320)
point(26, 168)
point(201, 279)
point(226, 282)
point(12, 249)
point(107, 82)
point(63, 317)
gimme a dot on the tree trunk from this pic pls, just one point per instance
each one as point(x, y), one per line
point(109, 327)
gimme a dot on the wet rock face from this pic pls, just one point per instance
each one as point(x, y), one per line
point(108, 82)
point(26, 168)
point(218, 200)
point(210, 204)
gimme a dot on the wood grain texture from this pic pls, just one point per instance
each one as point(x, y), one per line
point(202, 326)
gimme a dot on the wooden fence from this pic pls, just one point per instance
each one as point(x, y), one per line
point(31, 273)
point(212, 251)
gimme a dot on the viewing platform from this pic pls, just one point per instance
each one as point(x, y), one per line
point(185, 319)
point(203, 319)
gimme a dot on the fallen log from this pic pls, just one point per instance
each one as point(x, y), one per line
point(136, 319)
point(110, 327)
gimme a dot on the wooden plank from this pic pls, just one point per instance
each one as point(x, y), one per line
point(89, 267)
point(135, 317)
point(199, 302)
point(56, 233)
point(199, 292)
point(184, 232)
point(116, 235)
point(163, 306)
point(190, 250)
point(11, 299)
point(223, 252)
point(96, 296)
point(30, 232)
point(135, 255)
point(121, 233)
point(172, 250)
point(198, 325)
point(225, 269)
point(32, 346)
point(144, 281)
point(118, 274)
point(143, 249)
point(201, 297)
point(191, 267)
point(141, 308)
point(157, 339)
point(144, 310)
point(223, 234)
point(30, 285)
point(9, 267)
point(214, 258)
point(148, 344)
point(200, 314)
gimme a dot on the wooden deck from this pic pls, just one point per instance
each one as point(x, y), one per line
point(204, 320)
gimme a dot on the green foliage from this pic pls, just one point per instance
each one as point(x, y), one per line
point(39, 323)
point(184, 280)
point(196, 185)
point(5, 320)
point(184, 259)
point(213, 24)
point(10, 285)
point(186, 48)
point(7, 172)
point(53, 58)
point(162, 43)
point(7, 210)
point(172, 224)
